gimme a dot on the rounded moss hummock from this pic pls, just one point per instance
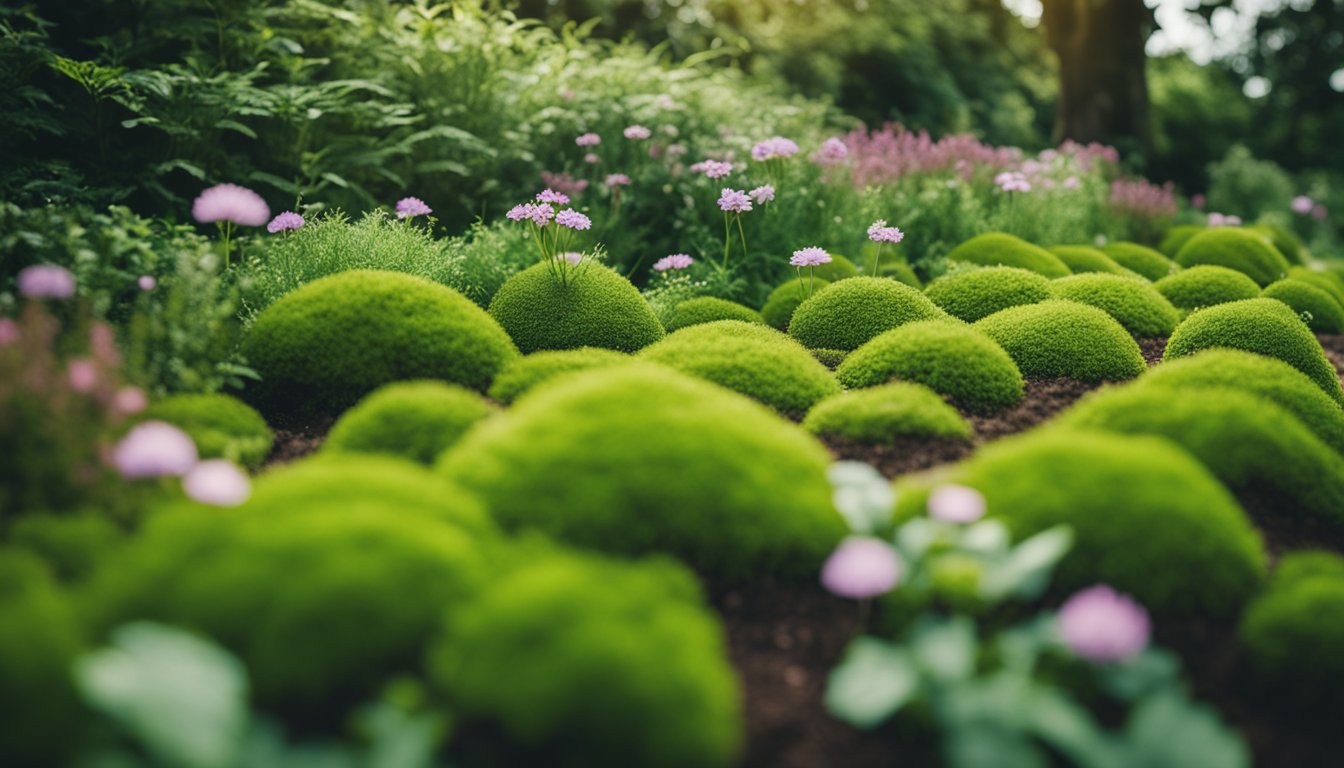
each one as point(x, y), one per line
point(1141, 260)
point(597, 308)
point(707, 309)
point(1085, 258)
point(1284, 240)
point(1318, 309)
point(952, 359)
point(976, 292)
point(415, 420)
point(1204, 286)
point(1328, 281)
point(1263, 326)
point(1238, 249)
point(1176, 238)
point(831, 358)
point(781, 303)
point(222, 427)
point(526, 373)
point(885, 414)
point(325, 345)
point(900, 272)
point(1132, 301)
point(753, 360)
point(641, 458)
point(1000, 249)
point(845, 315)
point(1065, 339)
point(837, 269)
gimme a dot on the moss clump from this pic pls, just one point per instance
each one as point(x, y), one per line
point(839, 268)
point(641, 458)
point(1064, 338)
point(953, 360)
point(597, 308)
point(831, 358)
point(1204, 286)
point(781, 303)
point(1133, 302)
point(707, 309)
point(1237, 249)
point(415, 420)
point(1141, 260)
point(525, 373)
point(900, 272)
point(221, 426)
point(1263, 326)
point(1284, 240)
point(322, 347)
point(1328, 281)
point(754, 360)
point(579, 661)
point(884, 414)
point(1085, 258)
point(847, 314)
point(1000, 249)
point(71, 545)
point(1319, 309)
point(977, 292)
point(1176, 238)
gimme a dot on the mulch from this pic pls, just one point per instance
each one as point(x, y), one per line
point(296, 441)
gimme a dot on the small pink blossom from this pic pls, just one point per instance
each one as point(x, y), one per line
point(46, 281)
point(1199, 201)
point(956, 504)
point(861, 568)
point(591, 158)
point(637, 133)
point(1303, 204)
point(1223, 220)
point(734, 201)
point(879, 232)
point(154, 449)
point(573, 220)
point(676, 150)
point(617, 180)
point(713, 169)
point(129, 400)
point(549, 195)
point(217, 482)
point(563, 182)
point(410, 207)
point(810, 257)
point(675, 261)
point(83, 375)
point(588, 140)
point(774, 147)
point(832, 152)
point(762, 194)
point(1102, 626)
point(1071, 183)
point(1012, 181)
point(147, 283)
point(283, 222)
point(231, 203)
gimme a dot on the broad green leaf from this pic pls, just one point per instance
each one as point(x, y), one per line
point(945, 649)
point(861, 495)
point(1167, 730)
point(872, 683)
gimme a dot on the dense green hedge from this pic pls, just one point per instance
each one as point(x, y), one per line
point(885, 414)
point(845, 315)
point(1204, 286)
point(524, 373)
point(1133, 302)
point(1237, 249)
point(977, 292)
point(1064, 338)
point(707, 309)
point(596, 308)
point(1000, 249)
point(415, 420)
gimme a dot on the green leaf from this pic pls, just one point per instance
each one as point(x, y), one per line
point(234, 125)
point(861, 495)
point(1026, 571)
point(1169, 731)
point(945, 649)
point(873, 682)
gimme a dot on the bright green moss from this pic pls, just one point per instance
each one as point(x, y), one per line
point(781, 303)
point(1132, 301)
point(327, 344)
point(839, 268)
point(900, 272)
point(597, 308)
point(1085, 258)
point(71, 545)
point(1065, 339)
point(885, 414)
point(953, 360)
point(1204, 286)
point(1293, 634)
point(525, 373)
point(707, 309)
point(415, 420)
point(1176, 238)
point(751, 359)
point(1328, 281)
point(641, 458)
point(1141, 260)
point(831, 358)
point(977, 292)
point(847, 314)
point(1000, 249)
point(1316, 307)
point(1237, 249)
point(1284, 240)
point(221, 426)
point(1263, 326)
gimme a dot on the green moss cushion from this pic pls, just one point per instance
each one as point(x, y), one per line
point(597, 308)
point(999, 249)
point(221, 426)
point(71, 545)
point(781, 303)
point(525, 373)
point(1263, 326)
point(751, 359)
point(900, 272)
point(1283, 239)
point(1176, 238)
point(954, 360)
point(839, 268)
point(1319, 309)
point(1204, 286)
point(831, 358)
point(1085, 258)
point(707, 309)
point(1065, 339)
point(1293, 632)
point(577, 661)
point(1328, 281)
point(416, 420)
point(329, 343)
point(977, 292)
point(1237, 249)
point(847, 314)
point(1132, 301)
point(885, 414)
point(1141, 260)
point(642, 458)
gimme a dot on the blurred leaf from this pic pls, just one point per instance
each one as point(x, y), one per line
point(945, 649)
point(1168, 731)
point(1142, 675)
point(862, 496)
point(1026, 571)
point(873, 682)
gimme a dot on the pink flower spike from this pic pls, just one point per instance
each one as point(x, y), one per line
point(217, 482)
point(232, 203)
point(956, 504)
point(410, 207)
point(860, 568)
point(283, 222)
point(675, 261)
point(129, 400)
point(810, 257)
point(147, 283)
point(573, 219)
point(46, 281)
point(154, 449)
point(1102, 626)
point(833, 152)
point(588, 140)
point(637, 133)
point(734, 201)
point(617, 180)
point(549, 195)
point(763, 194)
point(83, 375)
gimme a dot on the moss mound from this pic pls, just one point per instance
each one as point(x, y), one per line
point(847, 314)
point(839, 268)
point(900, 272)
point(977, 292)
point(222, 427)
point(1328, 281)
point(1085, 258)
point(1204, 286)
point(1284, 240)
point(1064, 338)
point(707, 309)
point(597, 308)
point(831, 358)
point(753, 360)
point(329, 343)
point(953, 360)
point(1263, 326)
point(642, 459)
point(1321, 312)
point(1133, 302)
point(1237, 249)
point(884, 414)
point(525, 373)
point(71, 545)
point(1141, 260)
point(415, 420)
point(781, 303)
point(1000, 249)
point(579, 661)
point(1176, 238)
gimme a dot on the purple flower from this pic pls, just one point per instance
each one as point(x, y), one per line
point(9, 331)
point(83, 375)
point(617, 180)
point(154, 449)
point(573, 219)
point(147, 282)
point(956, 504)
point(540, 215)
point(763, 194)
point(1224, 220)
point(714, 169)
point(675, 261)
point(284, 222)
point(734, 201)
point(860, 568)
point(637, 133)
point(832, 152)
point(588, 140)
point(218, 483)
point(1198, 201)
point(549, 195)
point(1303, 204)
point(573, 257)
point(1012, 181)
point(879, 232)
point(591, 159)
point(810, 257)
point(409, 207)
point(676, 150)
point(46, 281)
point(130, 400)
point(1100, 625)
point(774, 147)
point(232, 203)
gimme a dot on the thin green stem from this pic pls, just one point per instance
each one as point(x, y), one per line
point(743, 236)
point(727, 238)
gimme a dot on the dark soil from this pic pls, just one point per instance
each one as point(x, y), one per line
point(1152, 350)
point(295, 442)
point(1334, 350)
point(1044, 398)
point(904, 455)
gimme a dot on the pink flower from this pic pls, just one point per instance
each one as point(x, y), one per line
point(1199, 201)
point(147, 282)
point(154, 449)
point(563, 182)
point(288, 220)
point(956, 504)
point(617, 180)
point(83, 375)
point(232, 203)
point(410, 207)
point(762, 194)
point(879, 232)
point(1012, 181)
point(573, 219)
point(1100, 625)
point(675, 261)
point(832, 152)
point(1071, 183)
point(637, 133)
point(218, 483)
point(591, 159)
point(861, 568)
point(1319, 212)
point(46, 281)
point(588, 140)
point(1303, 204)
point(676, 150)
point(1223, 220)
point(549, 195)
point(774, 147)
point(130, 400)
point(810, 257)
point(734, 201)
point(713, 169)
point(9, 331)
point(573, 257)
point(538, 214)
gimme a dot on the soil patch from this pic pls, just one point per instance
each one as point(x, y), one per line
point(1152, 350)
point(1334, 350)
point(902, 456)
point(293, 443)
point(1044, 398)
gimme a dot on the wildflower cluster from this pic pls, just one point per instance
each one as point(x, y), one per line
point(880, 233)
point(553, 230)
point(1143, 199)
point(810, 257)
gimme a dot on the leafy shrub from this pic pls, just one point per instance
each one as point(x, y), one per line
point(220, 425)
point(329, 343)
point(525, 373)
point(1000, 249)
point(1320, 310)
point(1065, 338)
point(708, 309)
point(1134, 302)
point(597, 309)
point(1176, 238)
point(783, 301)
point(640, 458)
point(750, 359)
point(416, 420)
point(1085, 258)
point(977, 292)
point(1263, 326)
point(953, 360)
point(1141, 259)
point(886, 413)
point(845, 315)
point(1235, 248)
point(1240, 184)
point(1204, 286)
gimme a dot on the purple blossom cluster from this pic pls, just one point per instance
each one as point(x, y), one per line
point(776, 147)
point(549, 195)
point(675, 261)
point(713, 169)
point(1103, 626)
point(46, 281)
point(810, 257)
point(832, 152)
point(1143, 199)
point(734, 201)
point(615, 180)
point(1223, 220)
point(572, 219)
point(879, 232)
point(1013, 181)
point(410, 207)
point(762, 194)
point(588, 140)
point(284, 222)
point(232, 204)
point(886, 155)
point(564, 183)
point(539, 214)
point(637, 133)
